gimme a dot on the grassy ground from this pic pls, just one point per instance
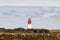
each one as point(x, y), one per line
point(29, 36)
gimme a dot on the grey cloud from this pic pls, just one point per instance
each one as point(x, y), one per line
point(28, 12)
point(10, 14)
point(56, 17)
point(5, 13)
point(58, 12)
point(13, 11)
point(53, 10)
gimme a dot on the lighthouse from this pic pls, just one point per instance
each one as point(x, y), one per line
point(29, 23)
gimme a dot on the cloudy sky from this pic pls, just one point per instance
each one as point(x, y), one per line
point(44, 14)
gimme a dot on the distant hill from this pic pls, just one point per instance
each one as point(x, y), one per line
point(55, 31)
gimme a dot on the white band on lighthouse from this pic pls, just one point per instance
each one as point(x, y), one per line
point(29, 26)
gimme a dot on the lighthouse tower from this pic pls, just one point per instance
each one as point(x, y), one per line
point(29, 23)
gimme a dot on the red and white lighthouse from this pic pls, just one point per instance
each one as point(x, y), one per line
point(29, 23)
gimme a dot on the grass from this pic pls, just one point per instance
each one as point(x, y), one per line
point(29, 36)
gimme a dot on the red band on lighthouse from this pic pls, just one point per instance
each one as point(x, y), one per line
point(29, 21)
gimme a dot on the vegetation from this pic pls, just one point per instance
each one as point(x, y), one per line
point(17, 30)
point(27, 34)
point(29, 37)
